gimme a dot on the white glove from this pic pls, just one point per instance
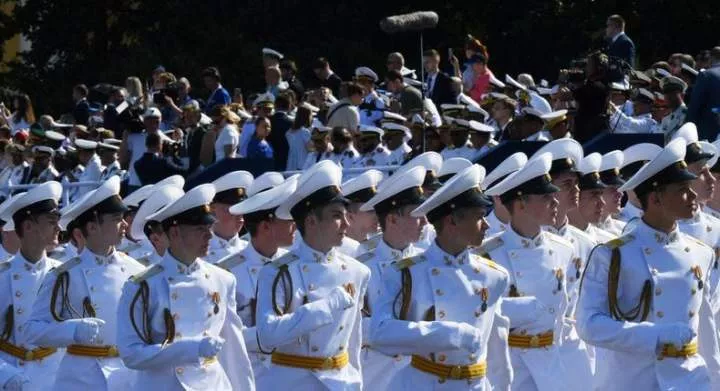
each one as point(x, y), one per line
point(16, 383)
point(470, 337)
point(677, 334)
point(88, 330)
point(210, 346)
point(340, 299)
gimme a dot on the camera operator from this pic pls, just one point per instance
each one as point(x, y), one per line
point(133, 147)
point(194, 133)
point(592, 99)
point(152, 167)
point(110, 115)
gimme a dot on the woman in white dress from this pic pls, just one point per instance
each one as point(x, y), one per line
point(228, 136)
point(298, 138)
point(23, 115)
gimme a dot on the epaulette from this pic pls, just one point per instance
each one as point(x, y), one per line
point(489, 263)
point(619, 242)
point(558, 239)
point(578, 232)
point(229, 262)
point(407, 262)
point(145, 261)
point(4, 266)
point(284, 260)
point(71, 263)
point(365, 257)
point(491, 244)
point(371, 244)
point(147, 273)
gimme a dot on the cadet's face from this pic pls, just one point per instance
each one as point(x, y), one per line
point(283, 231)
point(43, 230)
point(363, 222)
point(195, 239)
point(227, 221)
point(113, 228)
point(542, 208)
point(471, 225)
point(410, 227)
point(591, 205)
point(704, 185)
point(331, 225)
point(613, 199)
point(677, 200)
point(569, 194)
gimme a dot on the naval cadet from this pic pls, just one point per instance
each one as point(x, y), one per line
point(9, 241)
point(643, 297)
point(361, 223)
point(76, 306)
point(269, 236)
point(399, 196)
point(442, 306)
point(591, 204)
point(34, 216)
point(177, 325)
point(538, 323)
point(230, 189)
point(309, 300)
point(499, 219)
point(634, 158)
point(373, 105)
point(610, 176)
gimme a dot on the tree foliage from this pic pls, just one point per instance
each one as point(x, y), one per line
point(95, 41)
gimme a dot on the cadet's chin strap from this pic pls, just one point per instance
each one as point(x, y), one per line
point(61, 288)
point(143, 294)
point(9, 323)
point(613, 279)
point(283, 276)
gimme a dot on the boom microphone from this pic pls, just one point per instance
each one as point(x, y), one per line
point(414, 21)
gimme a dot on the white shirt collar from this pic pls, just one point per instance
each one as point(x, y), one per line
point(616, 36)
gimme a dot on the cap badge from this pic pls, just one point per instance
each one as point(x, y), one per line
point(206, 208)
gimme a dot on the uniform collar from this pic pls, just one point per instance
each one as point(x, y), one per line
point(234, 241)
point(558, 231)
point(254, 255)
point(494, 220)
point(438, 256)
point(309, 254)
point(632, 211)
point(388, 253)
point(515, 240)
point(100, 260)
point(642, 229)
point(712, 212)
point(22, 263)
point(175, 266)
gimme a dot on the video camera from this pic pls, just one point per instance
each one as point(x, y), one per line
point(172, 90)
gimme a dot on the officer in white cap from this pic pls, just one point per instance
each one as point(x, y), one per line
point(9, 242)
point(309, 300)
point(268, 237)
point(108, 156)
point(271, 57)
point(610, 176)
point(372, 152)
point(320, 138)
point(362, 224)
point(644, 298)
point(264, 182)
point(42, 169)
point(68, 224)
point(177, 325)
point(529, 196)
point(230, 189)
point(89, 159)
point(399, 196)
point(642, 120)
point(443, 306)
point(591, 204)
point(634, 157)
point(499, 219)
point(35, 216)
point(76, 306)
point(461, 146)
point(452, 166)
point(149, 233)
point(373, 105)
point(396, 137)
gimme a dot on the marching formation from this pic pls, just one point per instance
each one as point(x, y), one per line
point(444, 274)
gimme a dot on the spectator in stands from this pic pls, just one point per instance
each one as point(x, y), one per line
point(218, 94)
point(705, 100)
point(281, 122)
point(345, 112)
point(619, 44)
point(152, 167)
point(228, 137)
point(325, 77)
point(438, 83)
point(408, 98)
point(289, 75)
point(132, 147)
point(135, 91)
point(23, 115)
point(259, 148)
point(81, 111)
point(193, 135)
point(298, 137)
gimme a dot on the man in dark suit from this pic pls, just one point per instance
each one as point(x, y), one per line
point(81, 111)
point(280, 123)
point(289, 75)
point(325, 77)
point(151, 168)
point(704, 109)
point(619, 44)
point(438, 86)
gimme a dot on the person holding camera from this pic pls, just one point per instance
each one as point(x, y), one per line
point(152, 167)
point(133, 145)
point(591, 98)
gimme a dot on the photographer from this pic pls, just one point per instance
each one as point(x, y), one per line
point(133, 147)
point(152, 167)
point(592, 99)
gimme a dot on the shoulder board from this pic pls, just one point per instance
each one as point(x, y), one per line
point(491, 244)
point(4, 266)
point(580, 233)
point(489, 263)
point(71, 263)
point(365, 257)
point(619, 242)
point(147, 273)
point(230, 261)
point(558, 239)
point(696, 240)
point(408, 262)
point(284, 260)
point(371, 243)
point(145, 261)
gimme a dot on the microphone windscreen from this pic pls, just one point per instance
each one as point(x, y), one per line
point(415, 21)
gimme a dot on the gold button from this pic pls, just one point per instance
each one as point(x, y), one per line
point(441, 314)
point(660, 314)
point(314, 348)
point(178, 335)
point(439, 292)
point(693, 291)
point(687, 249)
point(341, 348)
point(176, 316)
point(174, 296)
point(20, 311)
point(478, 291)
point(311, 287)
point(18, 294)
point(435, 271)
point(16, 276)
point(180, 370)
point(305, 268)
point(658, 291)
point(472, 357)
point(442, 357)
point(253, 270)
point(476, 270)
point(654, 272)
point(691, 314)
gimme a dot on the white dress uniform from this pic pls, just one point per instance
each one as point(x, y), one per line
point(4, 254)
point(220, 248)
point(380, 156)
point(612, 226)
point(347, 158)
point(201, 301)
point(95, 280)
point(350, 247)
point(19, 282)
point(510, 165)
point(110, 170)
point(629, 212)
point(246, 266)
point(711, 212)
point(399, 154)
point(495, 225)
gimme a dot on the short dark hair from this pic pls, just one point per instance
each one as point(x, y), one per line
point(81, 89)
point(320, 63)
point(212, 72)
point(282, 102)
point(300, 223)
point(394, 75)
point(152, 140)
point(288, 65)
point(152, 227)
point(431, 53)
point(354, 89)
point(617, 20)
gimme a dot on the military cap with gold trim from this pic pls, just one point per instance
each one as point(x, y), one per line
point(589, 168)
point(636, 156)
point(667, 167)
point(192, 208)
point(566, 154)
point(398, 191)
point(533, 178)
point(103, 200)
point(363, 187)
point(610, 168)
point(39, 200)
point(694, 152)
point(317, 187)
point(231, 188)
point(262, 205)
point(461, 191)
